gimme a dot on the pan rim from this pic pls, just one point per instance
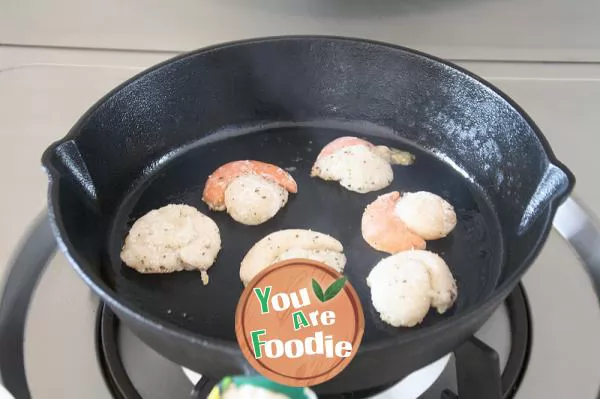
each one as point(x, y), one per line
point(231, 347)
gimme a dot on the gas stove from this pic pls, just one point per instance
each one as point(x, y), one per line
point(58, 341)
point(42, 290)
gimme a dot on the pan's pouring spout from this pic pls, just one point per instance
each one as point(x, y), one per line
point(66, 161)
point(555, 184)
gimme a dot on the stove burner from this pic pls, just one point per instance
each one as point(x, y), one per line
point(478, 369)
point(520, 323)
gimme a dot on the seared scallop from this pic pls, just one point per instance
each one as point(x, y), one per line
point(288, 244)
point(170, 239)
point(405, 285)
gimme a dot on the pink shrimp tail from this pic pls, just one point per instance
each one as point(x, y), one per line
point(383, 230)
point(216, 184)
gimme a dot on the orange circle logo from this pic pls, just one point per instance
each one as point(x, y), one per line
point(299, 322)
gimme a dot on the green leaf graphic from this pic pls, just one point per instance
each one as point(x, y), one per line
point(334, 288)
point(317, 290)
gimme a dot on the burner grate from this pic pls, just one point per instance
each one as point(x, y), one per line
point(478, 370)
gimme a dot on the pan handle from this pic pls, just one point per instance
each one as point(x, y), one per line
point(580, 227)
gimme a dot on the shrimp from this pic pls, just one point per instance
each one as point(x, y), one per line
point(385, 231)
point(426, 214)
point(356, 168)
point(252, 200)
point(289, 244)
point(358, 165)
point(172, 238)
point(217, 183)
point(400, 291)
point(443, 286)
point(340, 143)
point(406, 285)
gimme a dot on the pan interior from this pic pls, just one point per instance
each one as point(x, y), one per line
point(473, 250)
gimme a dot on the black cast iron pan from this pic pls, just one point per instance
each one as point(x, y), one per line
point(156, 138)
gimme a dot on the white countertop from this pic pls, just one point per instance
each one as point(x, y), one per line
point(551, 30)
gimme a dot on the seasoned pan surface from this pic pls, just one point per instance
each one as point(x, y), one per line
point(473, 250)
